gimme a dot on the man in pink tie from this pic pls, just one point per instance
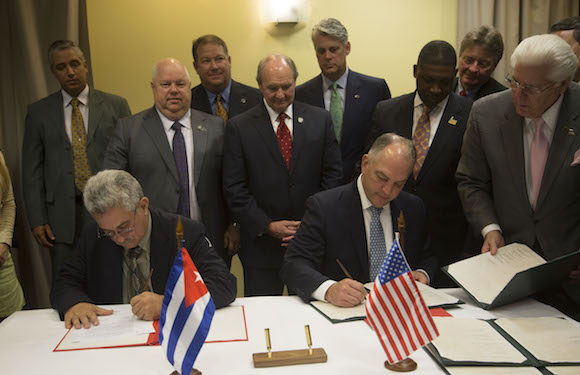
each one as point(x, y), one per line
point(516, 177)
point(276, 155)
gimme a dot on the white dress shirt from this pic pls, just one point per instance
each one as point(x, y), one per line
point(435, 115)
point(276, 122)
point(341, 87)
point(83, 107)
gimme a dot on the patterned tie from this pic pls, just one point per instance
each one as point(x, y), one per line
point(378, 247)
point(336, 111)
point(421, 140)
point(220, 109)
point(284, 139)
point(180, 156)
point(538, 156)
point(82, 169)
point(133, 254)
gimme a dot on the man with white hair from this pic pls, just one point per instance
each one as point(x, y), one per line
point(350, 97)
point(519, 173)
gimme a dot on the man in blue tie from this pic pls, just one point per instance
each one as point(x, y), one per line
point(356, 225)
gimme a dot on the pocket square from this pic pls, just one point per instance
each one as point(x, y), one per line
point(576, 160)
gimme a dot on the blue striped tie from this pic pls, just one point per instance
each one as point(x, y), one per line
point(180, 157)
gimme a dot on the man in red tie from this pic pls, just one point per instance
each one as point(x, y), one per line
point(518, 177)
point(276, 155)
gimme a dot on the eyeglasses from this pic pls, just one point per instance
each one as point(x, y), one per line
point(109, 234)
point(531, 89)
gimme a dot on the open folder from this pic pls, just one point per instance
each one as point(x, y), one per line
point(515, 272)
point(505, 342)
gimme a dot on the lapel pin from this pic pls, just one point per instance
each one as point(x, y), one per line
point(300, 120)
point(243, 100)
point(571, 131)
point(356, 96)
point(452, 121)
point(201, 128)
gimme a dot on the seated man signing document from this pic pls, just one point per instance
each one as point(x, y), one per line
point(130, 248)
point(356, 224)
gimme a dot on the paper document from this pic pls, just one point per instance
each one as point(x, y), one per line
point(229, 324)
point(476, 370)
point(473, 340)
point(552, 340)
point(564, 370)
point(484, 276)
point(432, 297)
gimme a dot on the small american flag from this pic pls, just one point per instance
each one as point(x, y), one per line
point(396, 310)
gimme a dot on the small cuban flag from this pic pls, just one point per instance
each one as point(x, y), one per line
point(186, 314)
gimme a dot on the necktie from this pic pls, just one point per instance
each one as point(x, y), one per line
point(180, 156)
point(220, 109)
point(378, 247)
point(538, 156)
point(421, 140)
point(82, 169)
point(284, 140)
point(463, 93)
point(133, 254)
point(336, 111)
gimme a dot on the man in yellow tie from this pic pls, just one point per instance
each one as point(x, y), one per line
point(65, 138)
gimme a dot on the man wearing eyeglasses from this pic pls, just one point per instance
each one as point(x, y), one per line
point(125, 255)
point(479, 53)
point(519, 173)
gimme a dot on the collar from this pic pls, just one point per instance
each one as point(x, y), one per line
point(341, 82)
point(417, 102)
point(470, 93)
point(365, 202)
point(185, 121)
point(550, 116)
point(225, 93)
point(274, 115)
point(145, 242)
point(83, 96)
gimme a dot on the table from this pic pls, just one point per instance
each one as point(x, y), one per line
point(27, 340)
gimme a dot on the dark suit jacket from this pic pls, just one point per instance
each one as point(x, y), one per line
point(333, 227)
point(47, 158)
point(241, 99)
point(435, 184)
point(362, 94)
point(492, 182)
point(95, 273)
point(490, 87)
point(140, 147)
point(258, 186)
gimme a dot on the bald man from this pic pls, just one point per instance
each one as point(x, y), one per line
point(175, 151)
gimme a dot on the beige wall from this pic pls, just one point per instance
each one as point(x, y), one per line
point(128, 37)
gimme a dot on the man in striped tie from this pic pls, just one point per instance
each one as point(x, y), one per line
point(354, 225)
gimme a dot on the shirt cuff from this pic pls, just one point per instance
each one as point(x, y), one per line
point(320, 292)
point(488, 228)
point(426, 274)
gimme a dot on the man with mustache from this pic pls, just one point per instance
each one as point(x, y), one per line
point(65, 138)
point(434, 118)
point(350, 97)
point(175, 152)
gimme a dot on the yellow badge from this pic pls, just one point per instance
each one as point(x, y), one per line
point(452, 121)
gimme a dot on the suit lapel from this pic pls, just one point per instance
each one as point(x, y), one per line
point(154, 127)
point(263, 127)
point(95, 113)
point(57, 105)
point(199, 131)
point(513, 147)
point(162, 249)
point(352, 101)
point(300, 125)
point(357, 229)
point(200, 100)
point(565, 134)
point(315, 96)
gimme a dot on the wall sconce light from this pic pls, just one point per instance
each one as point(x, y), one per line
point(286, 12)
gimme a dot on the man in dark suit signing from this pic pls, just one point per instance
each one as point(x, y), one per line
point(434, 118)
point(128, 249)
point(519, 172)
point(276, 155)
point(175, 153)
point(65, 138)
point(350, 97)
point(218, 94)
point(480, 51)
point(356, 224)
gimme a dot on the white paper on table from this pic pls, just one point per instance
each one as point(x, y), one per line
point(340, 313)
point(564, 370)
point(548, 339)
point(228, 324)
point(473, 340)
point(432, 297)
point(485, 276)
point(478, 370)
point(121, 328)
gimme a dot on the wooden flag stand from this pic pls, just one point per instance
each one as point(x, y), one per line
point(406, 365)
point(289, 357)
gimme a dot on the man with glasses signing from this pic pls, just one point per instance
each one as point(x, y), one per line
point(125, 255)
point(519, 174)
